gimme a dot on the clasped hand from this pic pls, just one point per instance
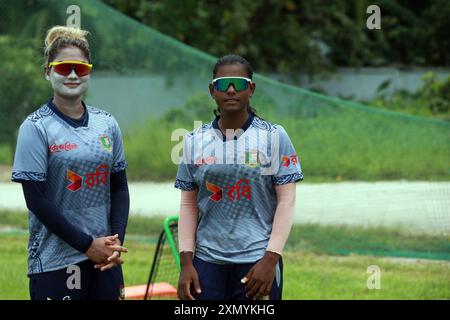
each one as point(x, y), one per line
point(106, 252)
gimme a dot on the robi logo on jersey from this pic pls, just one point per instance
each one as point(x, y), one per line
point(91, 179)
point(288, 160)
point(76, 180)
point(241, 188)
point(216, 190)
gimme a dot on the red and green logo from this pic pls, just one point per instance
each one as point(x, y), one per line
point(252, 158)
point(105, 142)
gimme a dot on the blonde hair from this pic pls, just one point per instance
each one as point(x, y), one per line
point(59, 37)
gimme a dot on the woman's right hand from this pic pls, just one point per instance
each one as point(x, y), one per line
point(100, 251)
point(188, 277)
point(115, 259)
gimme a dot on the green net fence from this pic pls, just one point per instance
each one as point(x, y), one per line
point(395, 167)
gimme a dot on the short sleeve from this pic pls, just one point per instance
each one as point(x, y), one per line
point(119, 163)
point(186, 168)
point(30, 158)
point(289, 169)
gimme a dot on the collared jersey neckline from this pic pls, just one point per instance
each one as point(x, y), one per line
point(244, 127)
point(82, 122)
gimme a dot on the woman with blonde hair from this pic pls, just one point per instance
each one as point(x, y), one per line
point(70, 162)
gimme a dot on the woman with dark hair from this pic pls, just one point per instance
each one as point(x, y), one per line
point(237, 176)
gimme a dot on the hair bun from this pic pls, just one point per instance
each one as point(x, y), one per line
point(67, 34)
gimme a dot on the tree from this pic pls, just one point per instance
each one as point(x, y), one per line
point(22, 86)
point(307, 36)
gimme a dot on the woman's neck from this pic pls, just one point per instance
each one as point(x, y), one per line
point(232, 120)
point(73, 108)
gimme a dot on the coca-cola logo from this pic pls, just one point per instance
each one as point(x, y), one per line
point(62, 147)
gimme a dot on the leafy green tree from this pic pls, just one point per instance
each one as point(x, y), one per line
point(308, 36)
point(435, 94)
point(431, 99)
point(22, 86)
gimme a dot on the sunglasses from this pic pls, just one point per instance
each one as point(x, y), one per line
point(239, 83)
point(65, 68)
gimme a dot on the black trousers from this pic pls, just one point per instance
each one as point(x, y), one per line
point(78, 282)
point(223, 281)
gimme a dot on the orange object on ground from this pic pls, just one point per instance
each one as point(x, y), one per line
point(159, 290)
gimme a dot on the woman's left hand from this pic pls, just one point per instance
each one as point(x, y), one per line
point(114, 259)
point(260, 277)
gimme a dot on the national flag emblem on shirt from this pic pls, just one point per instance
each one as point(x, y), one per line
point(106, 142)
point(252, 158)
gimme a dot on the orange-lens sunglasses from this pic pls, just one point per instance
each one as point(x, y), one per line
point(65, 67)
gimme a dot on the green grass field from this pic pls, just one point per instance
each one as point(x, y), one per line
point(312, 270)
point(307, 275)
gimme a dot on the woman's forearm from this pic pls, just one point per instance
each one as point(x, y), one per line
point(283, 219)
point(187, 224)
point(120, 204)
